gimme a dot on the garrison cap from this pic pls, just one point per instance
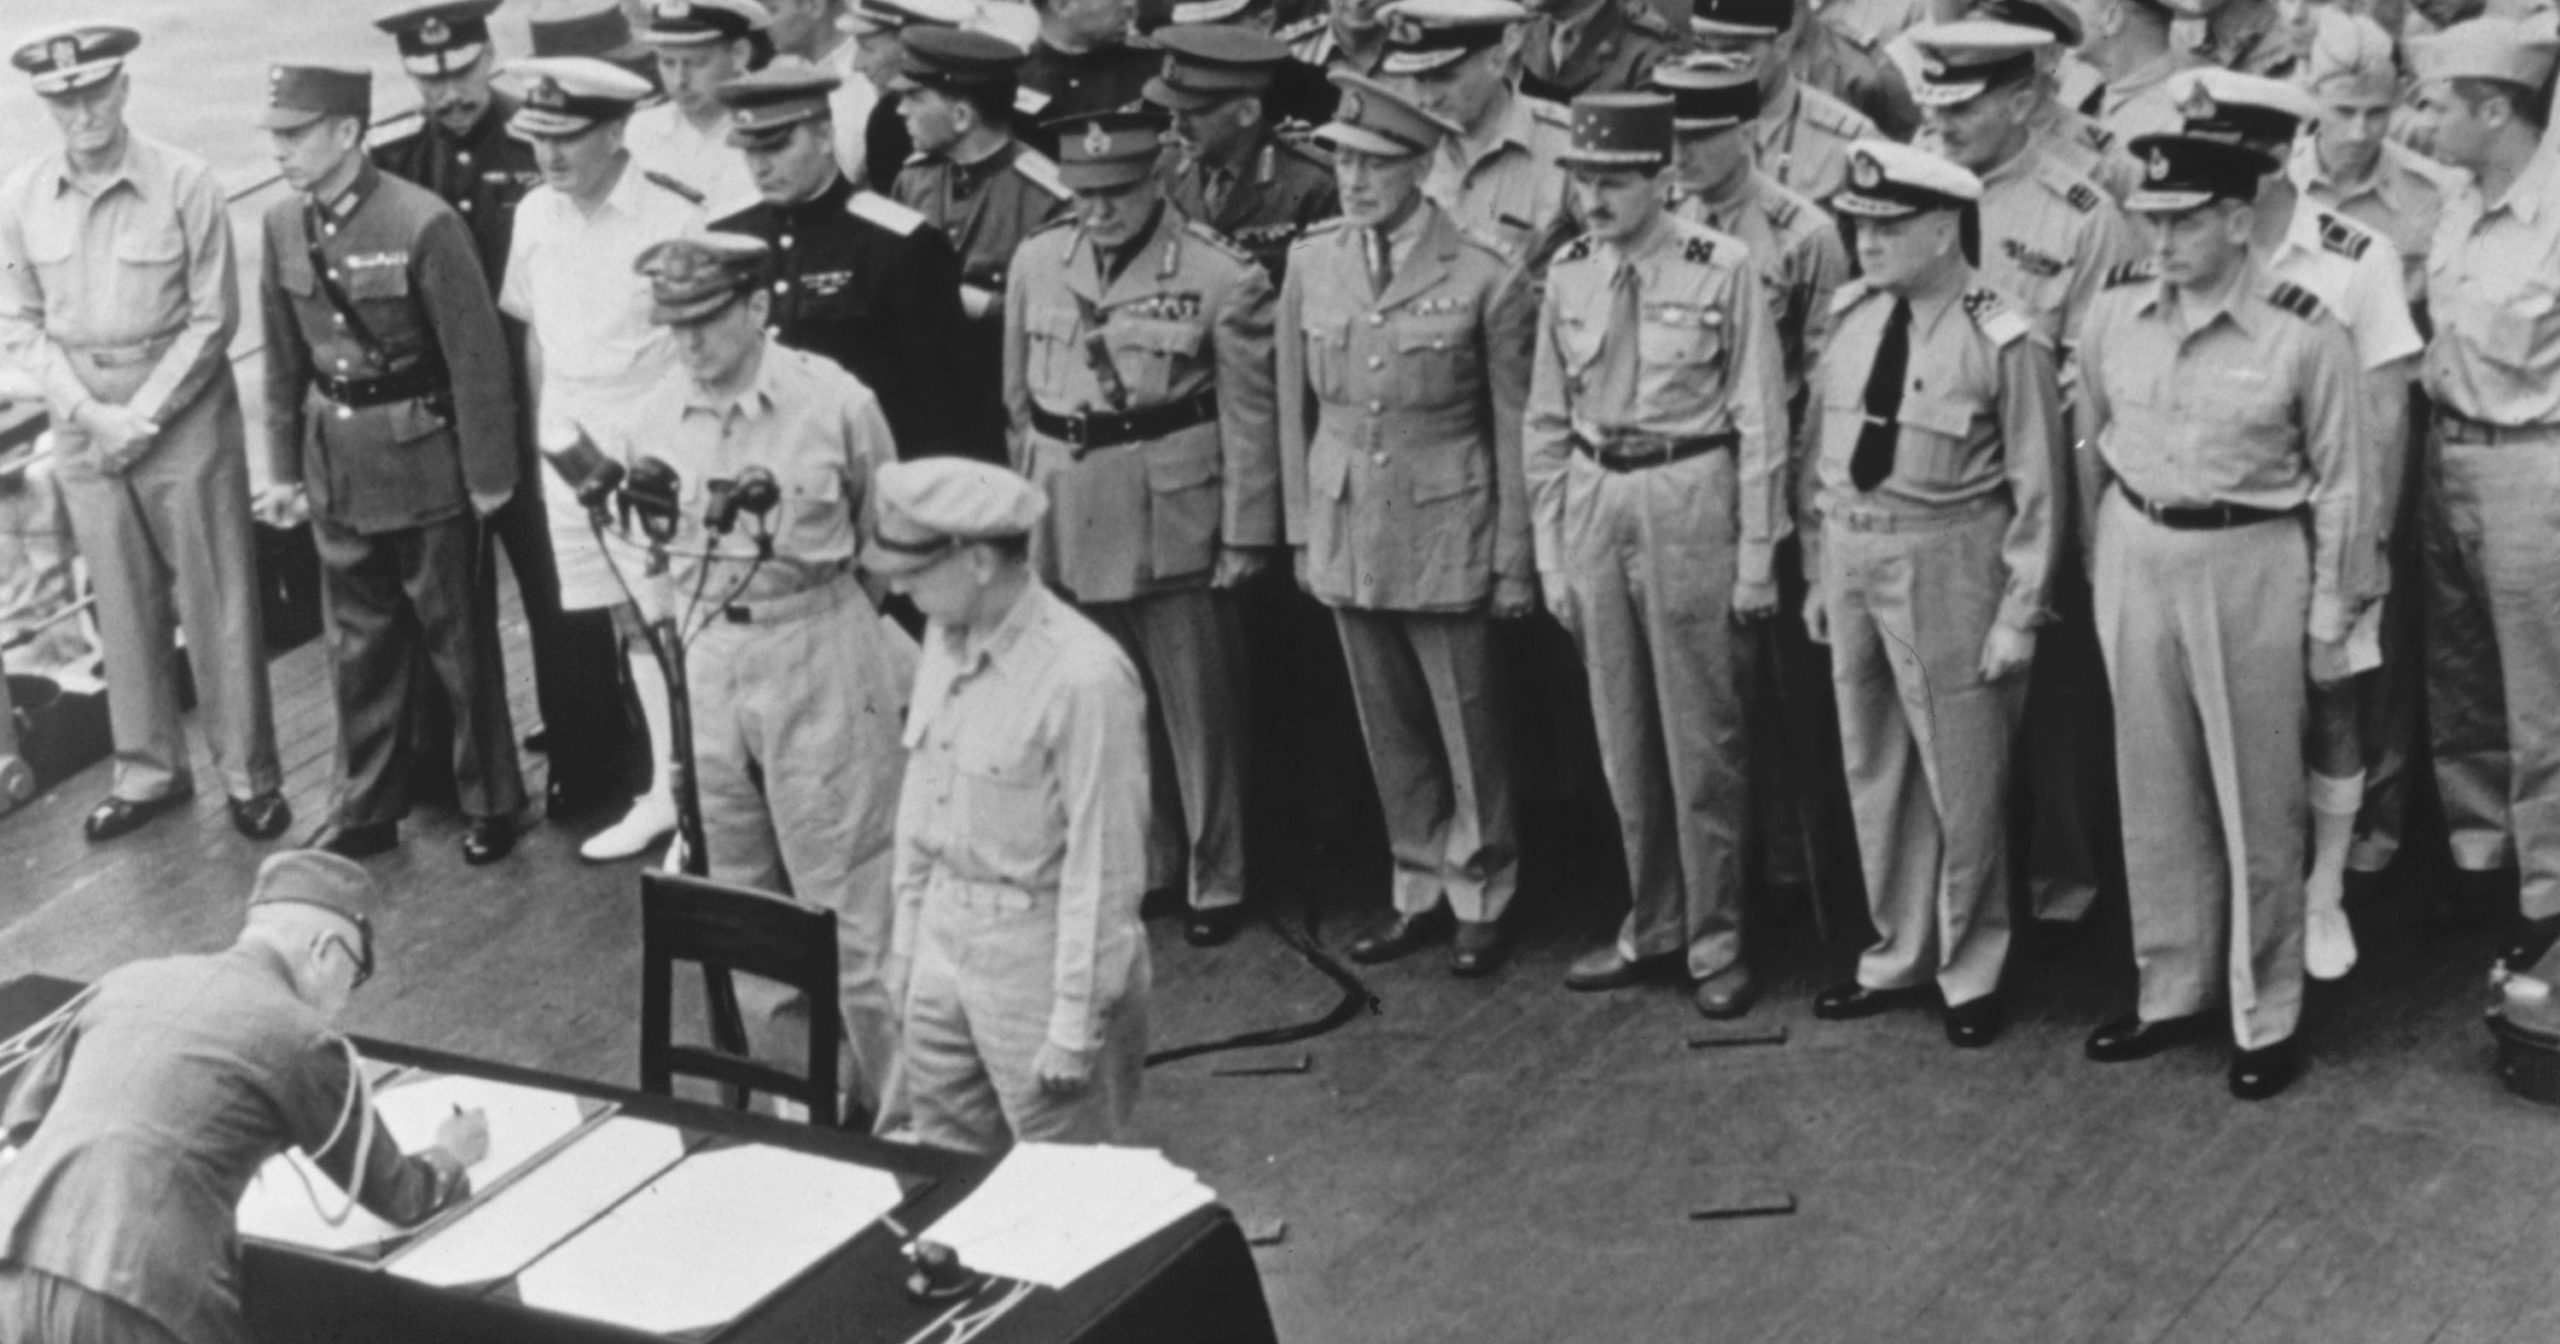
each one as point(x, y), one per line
point(933, 505)
point(954, 58)
point(1896, 181)
point(440, 37)
point(569, 95)
point(1742, 18)
point(298, 95)
point(1427, 35)
point(595, 28)
point(765, 105)
point(1191, 13)
point(679, 23)
point(1374, 119)
point(2503, 49)
point(2229, 105)
point(1208, 64)
point(1103, 149)
point(2182, 172)
point(1968, 58)
point(2058, 17)
point(1708, 95)
point(2353, 49)
point(1620, 130)
point(890, 16)
point(71, 57)
point(316, 877)
point(692, 278)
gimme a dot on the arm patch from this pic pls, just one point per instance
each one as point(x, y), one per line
point(2130, 273)
point(1994, 316)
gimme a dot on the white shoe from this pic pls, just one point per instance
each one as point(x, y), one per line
point(2328, 944)
point(651, 817)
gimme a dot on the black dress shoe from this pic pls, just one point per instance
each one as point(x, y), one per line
point(1209, 928)
point(358, 842)
point(1476, 950)
point(1976, 1023)
point(1406, 935)
point(263, 817)
point(2131, 1038)
point(2259, 1074)
point(1849, 1001)
point(488, 839)
point(123, 816)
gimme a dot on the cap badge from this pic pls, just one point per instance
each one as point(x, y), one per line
point(1352, 106)
point(64, 53)
point(1864, 173)
point(673, 11)
point(1404, 30)
point(546, 93)
point(433, 33)
point(2198, 107)
point(1933, 70)
point(2158, 168)
point(1097, 141)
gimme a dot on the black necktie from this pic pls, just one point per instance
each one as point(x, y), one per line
point(1382, 261)
point(1873, 460)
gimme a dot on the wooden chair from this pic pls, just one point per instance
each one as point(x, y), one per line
point(728, 930)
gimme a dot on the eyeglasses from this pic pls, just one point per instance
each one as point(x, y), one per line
point(361, 960)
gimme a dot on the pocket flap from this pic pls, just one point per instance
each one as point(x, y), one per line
point(1943, 415)
point(1184, 464)
point(152, 245)
point(1058, 324)
point(377, 282)
point(1163, 338)
point(1435, 336)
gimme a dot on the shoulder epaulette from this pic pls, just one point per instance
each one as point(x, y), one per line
point(1029, 101)
point(2344, 237)
point(1831, 114)
point(1478, 240)
point(2082, 197)
point(2071, 185)
point(2294, 299)
point(676, 185)
point(917, 158)
point(1033, 164)
point(1302, 29)
point(1698, 251)
point(1554, 114)
point(2130, 273)
point(888, 214)
point(1850, 294)
point(1316, 230)
point(1069, 220)
point(1225, 246)
point(1993, 314)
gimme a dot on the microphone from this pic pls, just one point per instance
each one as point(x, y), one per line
point(651, 491)
point(755, 492)
point(587, 471)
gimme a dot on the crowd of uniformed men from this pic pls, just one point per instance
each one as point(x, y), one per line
point(1878, 402)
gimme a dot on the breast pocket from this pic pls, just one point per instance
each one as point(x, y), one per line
point(1328, 350)
point(381, 295)
point(2516, 330)
point(1435, 360)
point(815, 515)
point(1933, 453)
point(1154, 356)
point(1052, 363)
point(1004, 799)
point(152, 253)
point(53, 245)
point(1681, 335)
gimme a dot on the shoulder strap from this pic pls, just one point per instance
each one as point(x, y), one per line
point(336, 296)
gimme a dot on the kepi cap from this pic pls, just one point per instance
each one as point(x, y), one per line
point(440, 37)
point(2504, 49)
point(1101, 150)
point(693, 277)
point(933, 505)
point(1374, 119)
point(73, 57)
point(954, 58)
point(2352, 49)
point(675, 23)
point(2182, 172)
point(765, 105)
point(298, 95)
point(1742, 18)
point(1896, 181)
point(1709, 95)
point(1428, 35)
point(568, 95)
point(1209, 64)
point(1963, 60)
point(1619, 130)
point(2229, 105)
point(332, 882)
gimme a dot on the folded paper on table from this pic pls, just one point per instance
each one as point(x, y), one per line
point(1051, 1213)
point(512, 1228)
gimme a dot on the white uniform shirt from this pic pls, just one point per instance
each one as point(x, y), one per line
point(661, 137)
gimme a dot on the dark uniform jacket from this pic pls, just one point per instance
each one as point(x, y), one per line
point(416, 306)
point(482, 174)
point(151, 1113)
point(1067, 82)
point(986, 208)
point(1282, 190)
point(868, 283)
point(1613, 51)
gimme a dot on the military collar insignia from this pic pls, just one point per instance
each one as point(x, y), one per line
point(1351, 106)
point(546, 93)
point(2158, 168)
point(1863, 172)
point(1097, 141)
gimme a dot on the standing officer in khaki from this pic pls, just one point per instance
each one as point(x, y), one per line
point(1657, 465)
point(1498, 176)
point(390, 416)
point(2224, 412)
point(2493, 370)
point(1138, 375)
point(1937, 425)
point(1232, 170)
point(1803, 134)
point(117, 295)
point(1404, 364)
point(1019, 967)
point(798, 685)
point(1593, 46)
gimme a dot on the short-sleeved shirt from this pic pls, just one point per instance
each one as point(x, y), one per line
point(664, 138)
point(570, 279)
point(1507, 188)
point(1804, 136)
point(2401, 199)
point(2493, 286)
point(2049, 237)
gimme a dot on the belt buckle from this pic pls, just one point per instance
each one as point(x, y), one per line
point(738, 615)
point(1079, 429)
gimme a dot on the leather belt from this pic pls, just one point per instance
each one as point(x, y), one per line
point(789, 606)
point(2201, 517)
point(422, 379)
point(1639, 451)
point(1917, 517)
point(122, 354)
point(1086, 431)
point(2455, 427)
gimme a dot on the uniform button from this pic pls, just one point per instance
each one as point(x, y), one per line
point(463, 157)
point(1377, 319)
point(342, 363)
point(1379, 458)
point(339, 318)
point(1377, 406)
point(466, 207)
point(786, 240)
point(345, 414)
point(781, 286)
point(1377, 361)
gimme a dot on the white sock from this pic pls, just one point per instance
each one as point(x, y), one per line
point(2329, 946)
point(650, 684)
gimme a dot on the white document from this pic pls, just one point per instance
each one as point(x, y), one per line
point(708, 1239)
point(509, 1230)
point(1051, 1213)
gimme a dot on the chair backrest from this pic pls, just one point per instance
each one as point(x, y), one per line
point(727, 929)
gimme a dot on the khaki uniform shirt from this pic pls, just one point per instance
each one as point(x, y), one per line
point(123, 293)
point(1981, 417)
point(2401, 199)
point(1263, 207)
point(1508, 189)
point(1873, 22)
point(2049, 237)
point(1803, 137)
point(1400, 418)
point(1027, 769)
point(1610, 50)
point(1188, 315)
point(1707, 362)
point(661, 137)
point(2252, 402)
point(1800, 254)
point(2493, 286)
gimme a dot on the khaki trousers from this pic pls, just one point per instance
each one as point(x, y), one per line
point(1184, 643)
point(1649, 563)
point(1926, 740)
point(1431, 714)
point(796, 726)
point(2204, 633)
